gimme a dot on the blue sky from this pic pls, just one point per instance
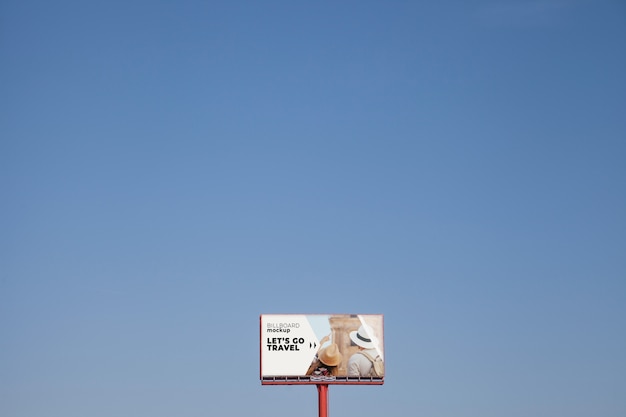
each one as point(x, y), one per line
point(172, 170)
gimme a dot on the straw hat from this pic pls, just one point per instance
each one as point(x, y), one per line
point(364, 337)
point(330, 355)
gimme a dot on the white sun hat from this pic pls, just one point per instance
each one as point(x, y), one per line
point(364, 337)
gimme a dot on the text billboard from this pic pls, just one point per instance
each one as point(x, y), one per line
point(322, 349)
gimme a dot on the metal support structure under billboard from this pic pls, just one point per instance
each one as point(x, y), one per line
point(322, 399)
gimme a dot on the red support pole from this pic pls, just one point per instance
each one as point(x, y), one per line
point(322, 391)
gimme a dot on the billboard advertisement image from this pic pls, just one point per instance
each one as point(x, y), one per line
point(322, 349)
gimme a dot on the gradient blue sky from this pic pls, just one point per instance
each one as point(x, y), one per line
point(172, 170)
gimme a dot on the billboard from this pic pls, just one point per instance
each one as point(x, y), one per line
point(322, 349)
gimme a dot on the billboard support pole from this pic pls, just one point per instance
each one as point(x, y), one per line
point(322, 399)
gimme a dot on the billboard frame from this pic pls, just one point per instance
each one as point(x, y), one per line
point(314, 380)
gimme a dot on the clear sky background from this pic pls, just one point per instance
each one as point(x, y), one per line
point(171, 170)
